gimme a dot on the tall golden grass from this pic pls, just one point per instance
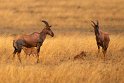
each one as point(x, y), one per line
point(70, 20)
point(57, 64)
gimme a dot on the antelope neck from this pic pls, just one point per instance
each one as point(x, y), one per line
point(43, 35)
point(96, 31)
point(97, 34)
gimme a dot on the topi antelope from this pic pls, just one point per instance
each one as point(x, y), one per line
point(102, 38)
point(35, 39)
point(30, 51)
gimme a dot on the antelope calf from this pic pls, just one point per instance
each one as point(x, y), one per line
point(35, 39)
point(30, 51)
point(102, 38)
point(80, 56)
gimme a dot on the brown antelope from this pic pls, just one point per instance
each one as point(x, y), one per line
point(102, 38)
point(80, 56)
point(30, 51)
point(35, 39)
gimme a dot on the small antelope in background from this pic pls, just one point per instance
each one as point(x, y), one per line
point(35, 39)
point(102, 38)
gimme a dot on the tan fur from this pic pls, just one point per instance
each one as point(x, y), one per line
point(30, 51)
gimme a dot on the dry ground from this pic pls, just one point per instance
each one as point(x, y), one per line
point(73, 34)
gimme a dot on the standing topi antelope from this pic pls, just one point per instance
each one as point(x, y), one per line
point(102, 38)
point(35, 39)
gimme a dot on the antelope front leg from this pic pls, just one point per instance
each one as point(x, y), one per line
point(104, 53)
point(98, 48)
point(37, 57)
point(38, 50)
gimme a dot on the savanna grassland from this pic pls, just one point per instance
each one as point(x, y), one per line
point(70, 20)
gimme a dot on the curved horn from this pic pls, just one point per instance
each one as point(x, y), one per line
point(93, 22)
point(45, 23)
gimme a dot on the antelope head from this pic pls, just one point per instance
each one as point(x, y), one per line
point(47, 29)
point(96, 27)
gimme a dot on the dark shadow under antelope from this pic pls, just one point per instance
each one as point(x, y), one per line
point(102, 38)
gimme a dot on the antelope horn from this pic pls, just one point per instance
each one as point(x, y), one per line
point(93, 22)
point(47, 25)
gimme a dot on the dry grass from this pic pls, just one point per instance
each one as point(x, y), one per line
point(26, 14)
point(57, 64)
point(73, 34)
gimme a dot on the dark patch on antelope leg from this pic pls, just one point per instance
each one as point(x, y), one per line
point(38, 50)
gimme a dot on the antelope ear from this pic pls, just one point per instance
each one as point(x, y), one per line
point(92, 25)
point(48, 27)
point(97, 24)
